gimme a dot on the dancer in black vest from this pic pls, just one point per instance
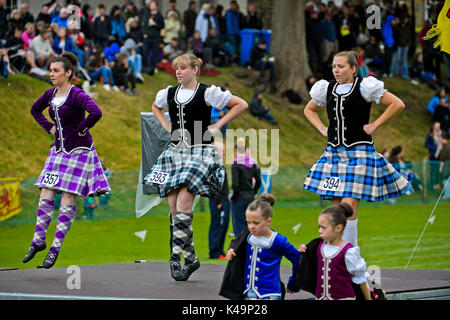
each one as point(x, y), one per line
point(350, 169)
point(190, 165)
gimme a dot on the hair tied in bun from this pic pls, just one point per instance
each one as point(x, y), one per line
point(267, 197)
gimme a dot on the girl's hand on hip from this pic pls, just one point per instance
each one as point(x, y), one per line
point(369, 128)
point(214, 130)
point(53, 130)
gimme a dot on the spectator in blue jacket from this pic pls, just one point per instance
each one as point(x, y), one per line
point(434, 101)
point(388, 39)
point(111, 49)
point(117, 24)
point(61, 19)
point(232, 20)
point(63, 43)
point(330, 44)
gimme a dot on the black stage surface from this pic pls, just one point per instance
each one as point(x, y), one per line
point(151, 280)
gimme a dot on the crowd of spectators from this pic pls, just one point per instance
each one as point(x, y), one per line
point(394, 49)
point(147, 36)
point(117, 45)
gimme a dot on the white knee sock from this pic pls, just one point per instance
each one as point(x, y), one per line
point(350, 233)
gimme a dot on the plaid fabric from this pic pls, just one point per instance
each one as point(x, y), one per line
point(79, 172)
point(183, 241)
point(44, 217)
point(199, 168)
point(358, 172)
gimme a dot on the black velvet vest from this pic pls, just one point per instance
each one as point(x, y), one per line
point(347, 114)
point(190, 120)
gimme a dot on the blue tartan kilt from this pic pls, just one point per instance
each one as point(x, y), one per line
point(199, 168)
point(357, 172)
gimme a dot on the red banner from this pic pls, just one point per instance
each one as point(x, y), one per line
point(10, 203)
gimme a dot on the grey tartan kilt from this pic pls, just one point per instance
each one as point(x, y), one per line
point(199, 168)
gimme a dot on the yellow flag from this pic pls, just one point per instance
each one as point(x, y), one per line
point(10, 203)
point(441, 29)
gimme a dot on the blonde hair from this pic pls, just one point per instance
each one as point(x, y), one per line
point(352, 59)
point(188, 59)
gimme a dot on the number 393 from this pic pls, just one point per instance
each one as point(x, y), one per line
point(158, 177)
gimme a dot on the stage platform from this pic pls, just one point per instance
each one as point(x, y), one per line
point(151, 280)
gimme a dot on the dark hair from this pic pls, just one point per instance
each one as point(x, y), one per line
point(338, 215)
point(263, 204)
point(69, 62)
point(438, 91)
point(395, 151)
point(114, 9)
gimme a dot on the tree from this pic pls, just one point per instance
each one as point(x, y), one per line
point(288, 46)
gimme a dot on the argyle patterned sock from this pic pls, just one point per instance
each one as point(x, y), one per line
point(44, 217)
point(171, 231)
point(183, 237)
point(65, 219)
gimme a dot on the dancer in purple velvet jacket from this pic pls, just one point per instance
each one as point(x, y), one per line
point(339, 264)
point(72, 167)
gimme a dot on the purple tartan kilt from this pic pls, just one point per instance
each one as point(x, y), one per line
point(79, 172)
point(358, 172)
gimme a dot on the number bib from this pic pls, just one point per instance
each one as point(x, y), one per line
point(51, 179)
point(331, 184)
point(158, 177)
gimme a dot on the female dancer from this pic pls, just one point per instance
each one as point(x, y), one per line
point(350, 169)
point(72, 167)
point(190, 165)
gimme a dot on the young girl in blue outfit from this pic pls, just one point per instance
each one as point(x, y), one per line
point(262, 249)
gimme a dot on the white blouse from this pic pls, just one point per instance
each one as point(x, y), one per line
point(58, 101)
point(262, 241)
point(214, 96)
point(371, 89)
point(356, 265)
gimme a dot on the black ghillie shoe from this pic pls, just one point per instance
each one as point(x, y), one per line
point(50, 260)
point(175, 271)
point(188, 269)
point(33, 250)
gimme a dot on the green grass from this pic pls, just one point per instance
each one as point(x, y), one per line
point(387, 236)
point(117, 136)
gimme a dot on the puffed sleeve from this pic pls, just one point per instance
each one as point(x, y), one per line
point(318, 93)
point(161, 98)
point(217, 97)
point(356, 265)
point(372, 89)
